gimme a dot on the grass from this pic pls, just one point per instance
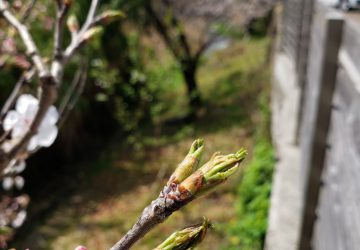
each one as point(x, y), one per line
point(117, 186)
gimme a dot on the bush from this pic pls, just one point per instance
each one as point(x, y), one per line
point(248, 233)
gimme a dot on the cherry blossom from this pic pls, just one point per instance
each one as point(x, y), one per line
point(18, 122)
point(10, 182)
point(80, 248)
point(19, 219)
point(15, 167)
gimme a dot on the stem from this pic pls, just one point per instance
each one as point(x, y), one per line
point(76, 42)
point(31, 48)
point(157, 212)
point(25, 78)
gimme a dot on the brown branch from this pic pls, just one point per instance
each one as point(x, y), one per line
point(77, 41)
point(62, 10)
point(57, 67)
point(48, 85)
point(25, 78)
point(28, 11)
point(182, 36)
point(162, 29)
point(73, 94)
point(31, 48)
point(70, 91)
point(48, 96)
point(157, 212)
point(203, 48)
point(185, 184)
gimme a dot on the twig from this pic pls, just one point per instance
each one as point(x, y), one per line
point(57, 67)
point(73, 96)
point(184, 185)
point(76, 42)
point(25, 78)
point(59, 29)
point(31, 48)
point(48, 85)
point(157, 212)
point(28, 11)
point(70, 91)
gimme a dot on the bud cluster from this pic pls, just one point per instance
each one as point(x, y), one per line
point(187, 182)
point(187, 238)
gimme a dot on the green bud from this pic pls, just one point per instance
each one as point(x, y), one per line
point(186, 238)
point(4, 230)
point(91, 33)
point(214, 172)
point(110, 16)
point(72, 24)
point(189, 164)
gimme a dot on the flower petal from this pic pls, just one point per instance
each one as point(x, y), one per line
point(33, 143)
point(8, 145)
point(19, 167)
point(30, 113)
point(7, 183)
point(24, 101)
point(19, 220)
point(51, 117)
point(11, 118)
point(20, 129)
point(47, 136)
point(19, 182)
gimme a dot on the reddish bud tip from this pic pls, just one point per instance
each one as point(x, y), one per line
point(81, 248)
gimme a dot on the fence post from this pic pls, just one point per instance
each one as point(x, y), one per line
point(314, 150)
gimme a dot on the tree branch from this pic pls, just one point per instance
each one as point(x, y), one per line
point(25, 78)
point(62, 10)
point(162, 29)
point(157, 212)
point(57, 67)
point(76, 42)
point(182, 37)
point(73, 94)
point(31, 48)
point(27, 12)
point(184, 185)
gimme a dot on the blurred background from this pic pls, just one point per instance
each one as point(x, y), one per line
point(168, 73)
point(173, 71)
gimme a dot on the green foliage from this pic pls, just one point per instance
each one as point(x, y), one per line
point(254, 192)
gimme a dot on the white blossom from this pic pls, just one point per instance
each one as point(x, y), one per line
point(18, 121)
point(19, 182)
point(8, 183)
point(15, 167)
point(19, 219)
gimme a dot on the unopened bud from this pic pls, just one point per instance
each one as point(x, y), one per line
point(189, 164)
point(212, 173)
point(73, 24)
point(67, 2)
point(110, 16)
point(187, 238)
point(91, 33)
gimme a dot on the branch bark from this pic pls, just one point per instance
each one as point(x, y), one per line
point(157, 212)
point(27, 12)
point(76, 43)
point(31, 48)
point(25, 78)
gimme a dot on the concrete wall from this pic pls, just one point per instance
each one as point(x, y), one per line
point(316, 131)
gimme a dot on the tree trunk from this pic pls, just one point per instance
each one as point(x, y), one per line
point(195, 102)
